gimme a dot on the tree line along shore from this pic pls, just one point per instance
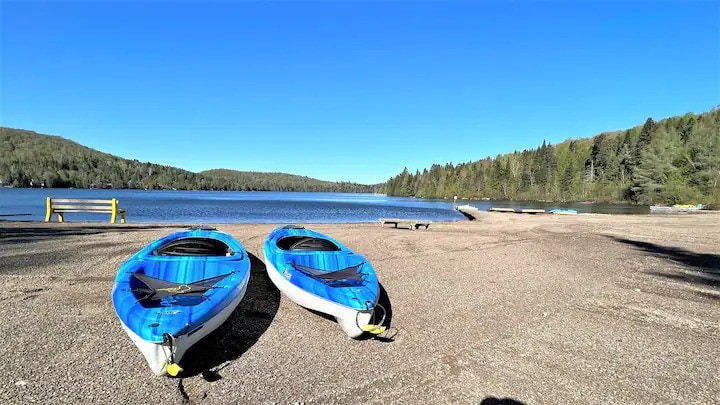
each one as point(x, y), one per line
point(675, 160)
point(29, 159)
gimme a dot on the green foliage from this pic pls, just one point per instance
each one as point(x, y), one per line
point(676, 160)
point(29, 159)
point(224, 179)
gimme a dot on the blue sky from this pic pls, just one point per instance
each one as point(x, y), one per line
point(342, 90)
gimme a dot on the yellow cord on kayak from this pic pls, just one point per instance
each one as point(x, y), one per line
point(374, 329)
point(173, 369)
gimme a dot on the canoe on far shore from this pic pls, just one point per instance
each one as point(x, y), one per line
point(676, 209)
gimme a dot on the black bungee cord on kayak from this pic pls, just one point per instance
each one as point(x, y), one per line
point(347, 277)
point(156, 289)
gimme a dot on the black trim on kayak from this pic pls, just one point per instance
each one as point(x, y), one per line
point(194, 246)
point(307, 243)
point(195, 330)
point(289, 226)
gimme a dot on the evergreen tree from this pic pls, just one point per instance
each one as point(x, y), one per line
point(674, 160)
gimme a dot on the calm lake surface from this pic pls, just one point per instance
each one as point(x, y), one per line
point(261, 206)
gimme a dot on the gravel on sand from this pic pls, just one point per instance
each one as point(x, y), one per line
point(535, 309)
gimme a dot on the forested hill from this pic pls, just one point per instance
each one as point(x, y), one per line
point(224, 179)
point(675, 160)
point(29, 159)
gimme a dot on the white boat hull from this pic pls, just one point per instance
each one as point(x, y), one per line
point(156, 354)
point(350, 319)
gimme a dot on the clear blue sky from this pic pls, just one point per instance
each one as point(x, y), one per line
point(342, 90)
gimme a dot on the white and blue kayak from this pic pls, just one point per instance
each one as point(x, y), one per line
point(319, 273)
point(178, 289)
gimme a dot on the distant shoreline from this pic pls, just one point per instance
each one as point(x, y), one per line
point(465, 199)
point(182, 189)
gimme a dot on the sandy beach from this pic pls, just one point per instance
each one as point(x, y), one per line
point(537, 309)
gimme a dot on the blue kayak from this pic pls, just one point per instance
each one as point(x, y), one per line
point(563, 211)
point(178, 289)
point(319, 273)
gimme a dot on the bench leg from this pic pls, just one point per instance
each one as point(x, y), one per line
point(122, 218)
point(48, 209)
point(113, 217)
point(60, 217)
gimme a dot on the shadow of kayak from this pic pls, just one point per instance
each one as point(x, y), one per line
point(241, 330)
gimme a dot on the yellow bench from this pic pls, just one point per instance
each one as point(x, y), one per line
point(60, 206)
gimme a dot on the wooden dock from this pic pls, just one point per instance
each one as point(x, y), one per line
point(470, 212)
point(412, 223)
point(530, 211)
point(500, 209)
point(517, 210)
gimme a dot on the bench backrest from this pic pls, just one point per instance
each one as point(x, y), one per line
point(60, 206)
point(81, 204)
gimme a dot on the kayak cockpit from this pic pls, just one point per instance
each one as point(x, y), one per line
point(307, 243)
point(194, 246)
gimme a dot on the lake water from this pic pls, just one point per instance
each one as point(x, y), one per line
point(259, 207)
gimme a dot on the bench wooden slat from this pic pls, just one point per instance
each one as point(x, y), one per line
point(90, 211)
point(76, 209)
point(77, 200)
point(80, 207)
point(416, 221)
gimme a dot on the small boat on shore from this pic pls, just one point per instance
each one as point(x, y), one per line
point(319, 273)
point(563, 211)
point(178, 289)
point(676, 209)
point(688, 207)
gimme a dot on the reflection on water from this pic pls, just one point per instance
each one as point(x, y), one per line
point(272, 207)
